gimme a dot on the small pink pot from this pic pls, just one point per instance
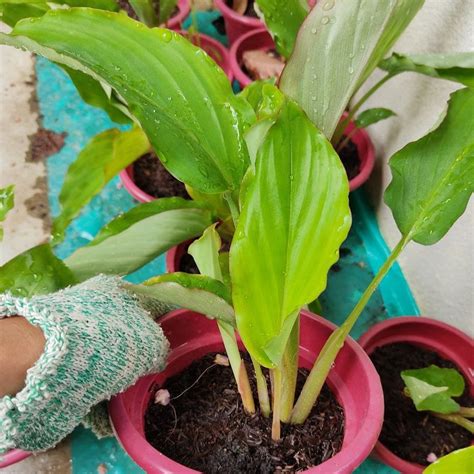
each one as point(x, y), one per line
point(250, 41)
point(449, 342)
point(12, 457)
point(353, 380)
point(176, 21)
point(126, 176)
point(236, 25)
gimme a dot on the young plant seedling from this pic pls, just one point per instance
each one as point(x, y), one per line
point(433, 388)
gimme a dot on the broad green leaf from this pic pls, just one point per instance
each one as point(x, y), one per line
point(102, 158)
point(371, 116)
point(34, 272)
point(340, 43)
point(195, 292)
point(433, 177)
point(294, 218)
point(12, 13)
point(205, 252)
point(167, 8)
point(93, 93)
point(283, 19)
point(460, 461)
point(7, 201)
point(110, 5)
point(182, 99)
point(431, 388)
point(215, 202)
point(138, 236)
point(458, 67)
point(145, 10)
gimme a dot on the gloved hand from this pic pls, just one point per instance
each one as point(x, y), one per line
point(100, 338)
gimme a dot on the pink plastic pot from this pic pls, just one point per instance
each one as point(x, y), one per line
point(236, 25)
point(353, 380)
point(250, 41)
point(447, 341)
point(176, 21)
point(12, 457)
point(126, 176)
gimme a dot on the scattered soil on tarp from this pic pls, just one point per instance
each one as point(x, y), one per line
point(151, 176)
point(205, 428)
point(350, 159)
point(410, 434)
point(45, 143)
point(249, 11)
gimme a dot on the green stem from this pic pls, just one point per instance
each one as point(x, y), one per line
point(289, 367)
point(458, 420)
point(237, 365)
point(276, 432)
point(331, 348)
point(344, 142)
point(233, 207)
point(467, 412)
point(353, 110)
point(262, 389)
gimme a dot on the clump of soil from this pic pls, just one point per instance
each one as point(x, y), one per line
point(45, 143)
point(249, 10)
point(205, 428)
point(187, 264)
point(410, 434)
point(350, 159)
point(152, 177)
point(261, 64)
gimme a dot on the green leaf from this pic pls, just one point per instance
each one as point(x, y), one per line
point(102, 158)
point(460, 461)
point(92, 92)
point(371, 116)
point(138, 236)
point(34, 272)
point(431, 388)
point(205, 252)
point(294, 218)
point(339, 45)
point(11, 13)
point(145, 10)
point(167, 8)
point(458, 67)
point(109, 5)
point(433, 177)
point(283, 19)
point(195, 292)
point(7, 201)
point(182, 99)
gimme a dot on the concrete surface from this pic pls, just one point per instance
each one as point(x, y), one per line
point(440, 275)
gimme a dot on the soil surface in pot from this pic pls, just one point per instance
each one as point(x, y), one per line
point(410, 434)
point(350, 159)
point(249, 9)
point(204, 426)
point(152, 177)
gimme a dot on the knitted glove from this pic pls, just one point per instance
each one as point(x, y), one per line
point(100, 339)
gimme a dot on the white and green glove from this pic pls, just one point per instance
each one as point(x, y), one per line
point(100, 339)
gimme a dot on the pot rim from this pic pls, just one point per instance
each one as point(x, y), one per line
point(183, 11)
point(351, 455)
point(246, 20)
point(422, 338)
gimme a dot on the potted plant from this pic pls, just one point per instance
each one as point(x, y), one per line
point(406, 343)
point(284, 187)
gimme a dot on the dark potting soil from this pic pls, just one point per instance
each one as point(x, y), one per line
point(205, 428)
point(152, 177)
point(187, 264)
point(350, 159)
point(410, 434)
point(249, 11)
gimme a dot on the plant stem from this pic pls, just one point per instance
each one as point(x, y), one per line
point(289, 367)
point(331, 348)
point(276, 433)
point(344, 142)
point(352, 111)
point(466, 412)
point(458, 420)
point(237, 365)
point(262, 389)
point(233, 207)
